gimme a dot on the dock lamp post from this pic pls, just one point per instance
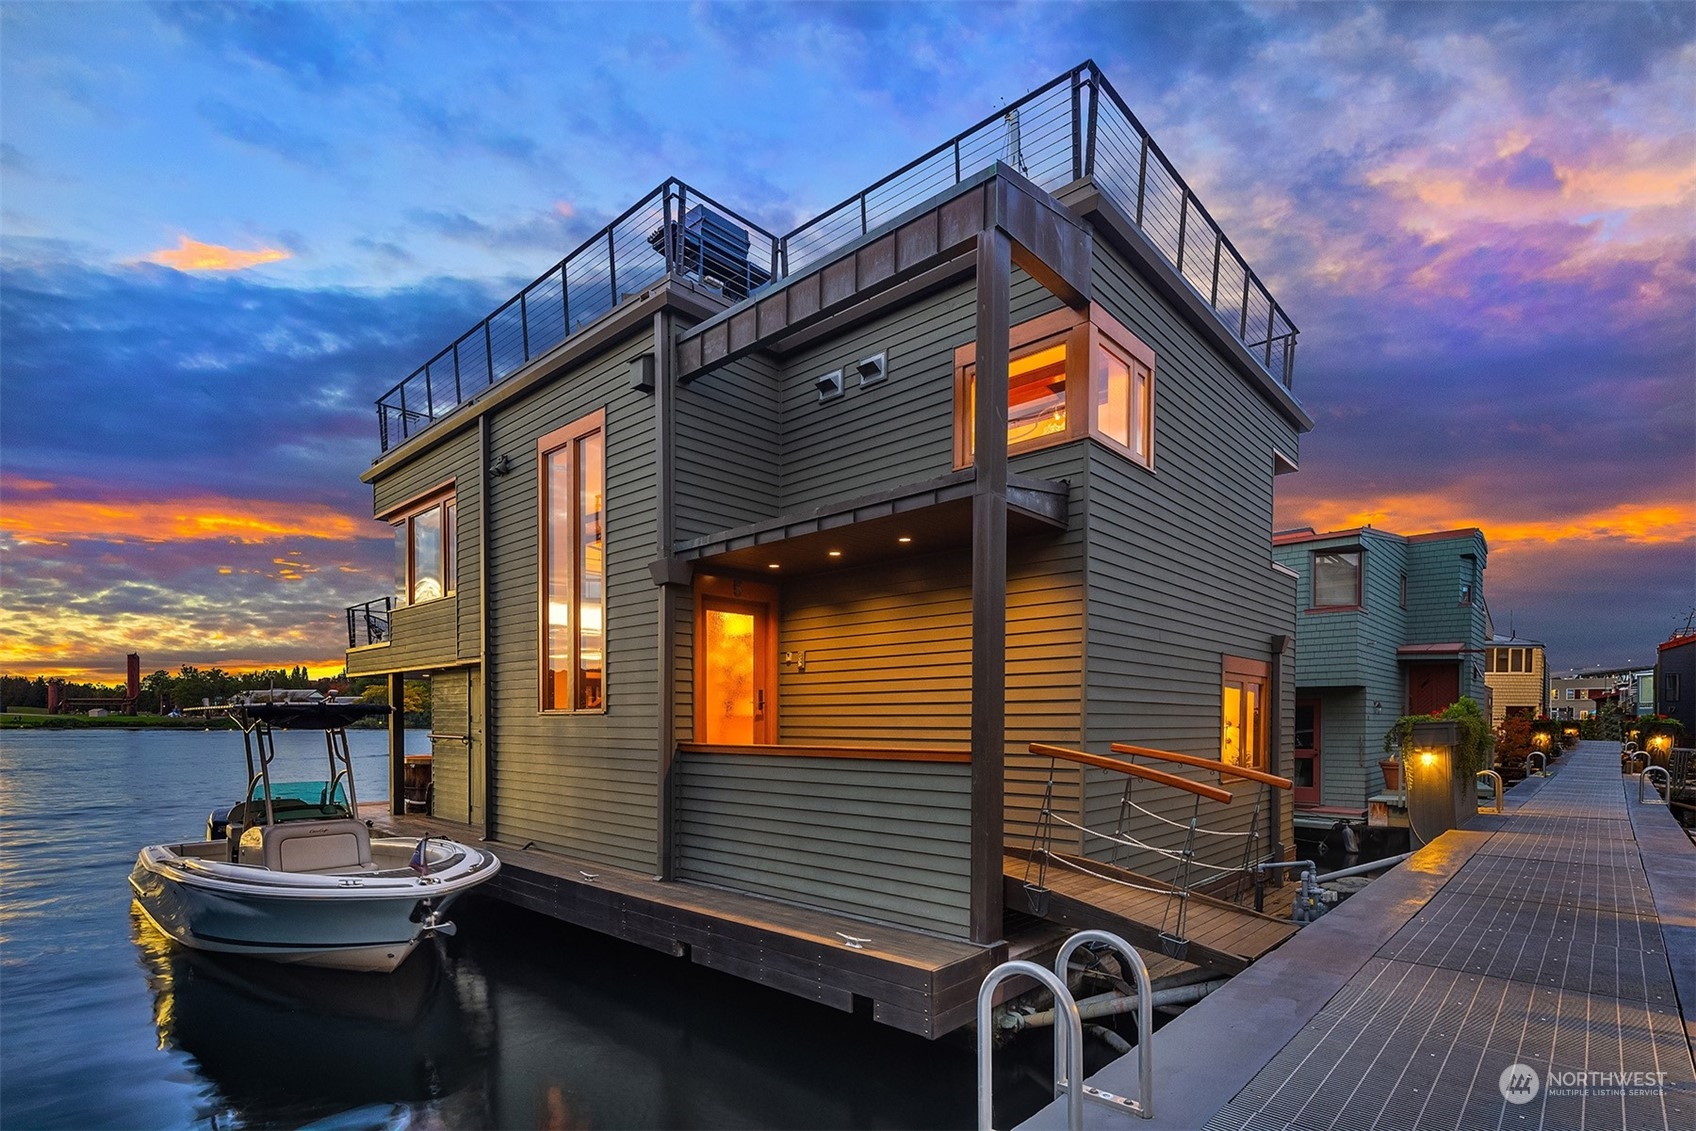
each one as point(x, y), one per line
point(1433, 791)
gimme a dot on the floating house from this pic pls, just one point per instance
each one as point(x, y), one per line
point(1390, 625)
point(746, 567)
point(1517, 672)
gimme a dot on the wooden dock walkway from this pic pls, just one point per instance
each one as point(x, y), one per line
point(1534, 970)
point(1083, 894)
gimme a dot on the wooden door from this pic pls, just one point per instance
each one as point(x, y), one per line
point(1431, 687)
point(735, 663)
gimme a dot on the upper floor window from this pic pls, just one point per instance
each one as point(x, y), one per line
point(1401, 595)
point(1669, 687)
point(424, 551)
point(1336, 579)
point(573, 566)
point(1068, 376)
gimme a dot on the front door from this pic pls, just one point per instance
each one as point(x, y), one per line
point(735, 662)
point(1307, 752)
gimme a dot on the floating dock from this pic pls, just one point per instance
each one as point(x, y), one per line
point(1534, 970)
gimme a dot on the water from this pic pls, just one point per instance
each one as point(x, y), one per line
point(518, 1021)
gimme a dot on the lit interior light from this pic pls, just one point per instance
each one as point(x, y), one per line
point(774, 565)
point(904, 539)
point(836, 553)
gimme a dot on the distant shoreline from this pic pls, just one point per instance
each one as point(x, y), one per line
point(36, 720)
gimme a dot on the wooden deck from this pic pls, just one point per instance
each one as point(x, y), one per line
point(1223, 937)
point(917, 982)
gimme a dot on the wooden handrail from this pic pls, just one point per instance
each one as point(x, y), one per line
point(1260, 776)
point(1211, 792)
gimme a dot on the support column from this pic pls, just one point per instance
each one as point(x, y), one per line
point(397, 743)
point(665, 482)
point(989, 584)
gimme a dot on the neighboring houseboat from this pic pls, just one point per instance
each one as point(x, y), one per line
point(1517, 672)
point(752, 564)
point(1389, 626)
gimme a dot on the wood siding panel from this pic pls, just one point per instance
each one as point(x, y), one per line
point(899, 430)
point(1180, 575)
point(423, 636)
point(885, 841)
point(581, 783)
point(728, 448)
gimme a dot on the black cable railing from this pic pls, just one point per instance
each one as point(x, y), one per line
point(1072, 127)
point(368, 623)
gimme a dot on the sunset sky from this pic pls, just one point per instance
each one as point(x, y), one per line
point(226, 230)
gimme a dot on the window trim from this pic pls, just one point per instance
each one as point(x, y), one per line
point(1082, 332)
point(546, 446)
point(1313, 605)
point(441, 498)
point(1242, 670)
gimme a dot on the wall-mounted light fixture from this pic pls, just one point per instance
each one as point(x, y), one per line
point(642, 373)
point(829, 385)
point(796, 660)
point(872, 369)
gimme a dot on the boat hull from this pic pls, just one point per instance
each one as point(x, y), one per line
point(369, 921)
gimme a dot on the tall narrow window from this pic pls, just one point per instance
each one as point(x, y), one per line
point(573, 478)
point(1242, 740)
point(424, 551)
point(1336, 579)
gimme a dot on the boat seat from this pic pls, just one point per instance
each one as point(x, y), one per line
point(317, 846)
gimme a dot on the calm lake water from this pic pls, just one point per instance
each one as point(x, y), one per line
point(516, 1022)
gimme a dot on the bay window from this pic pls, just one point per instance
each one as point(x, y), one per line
point(573, 567)
point(1069, 375)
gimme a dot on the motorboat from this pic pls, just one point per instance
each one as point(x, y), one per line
point(290, 873)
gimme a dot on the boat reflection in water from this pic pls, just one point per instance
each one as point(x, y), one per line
point(293, 1044)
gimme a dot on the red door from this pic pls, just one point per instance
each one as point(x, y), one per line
point(1431, 687)
point(1307, 752)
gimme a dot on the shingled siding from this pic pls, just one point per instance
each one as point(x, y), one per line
point(580, 783)
point(1436, 613)
point(1180, 575)
point(879, 840)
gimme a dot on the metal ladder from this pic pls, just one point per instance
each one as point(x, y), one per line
point(1069, 1034)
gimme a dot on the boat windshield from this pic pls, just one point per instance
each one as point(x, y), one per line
point(302, 800)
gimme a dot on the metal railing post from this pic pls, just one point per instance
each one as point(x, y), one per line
point(1666, 776)
point(524, 321)
point(1142, 180)
point(612, 268)
point(1089, 136)
point(488, 351)
point(1183, 223)
point(1077, 127)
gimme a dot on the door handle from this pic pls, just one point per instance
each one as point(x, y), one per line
point(760, 701)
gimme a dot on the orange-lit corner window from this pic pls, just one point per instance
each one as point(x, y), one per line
point(573, 566)
point(1054, 394)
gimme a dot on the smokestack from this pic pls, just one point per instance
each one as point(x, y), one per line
point(55, 688)
point(133, 690)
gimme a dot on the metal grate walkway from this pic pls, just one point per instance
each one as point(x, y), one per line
point(1538, 938)
point(1544, 949)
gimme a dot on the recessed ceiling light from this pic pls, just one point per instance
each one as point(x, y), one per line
point(774, 565)
point(904, 539)
point(836, 553)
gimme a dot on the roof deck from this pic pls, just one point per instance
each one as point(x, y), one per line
point(1074, 128)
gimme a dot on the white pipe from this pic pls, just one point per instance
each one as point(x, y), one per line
point(1362, 869)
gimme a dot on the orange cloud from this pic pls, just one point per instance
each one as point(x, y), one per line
point(1642, 523)
point(192, 255)
point(250, 521)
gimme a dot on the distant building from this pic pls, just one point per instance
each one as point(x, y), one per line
point(1517, 672)
point(1387, 626)
point(1580, 695)
point(1675, 681)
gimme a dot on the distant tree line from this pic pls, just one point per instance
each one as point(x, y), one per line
point(163, 691)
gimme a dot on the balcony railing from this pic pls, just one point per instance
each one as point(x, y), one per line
point(1074, 126)
point(369, 623)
